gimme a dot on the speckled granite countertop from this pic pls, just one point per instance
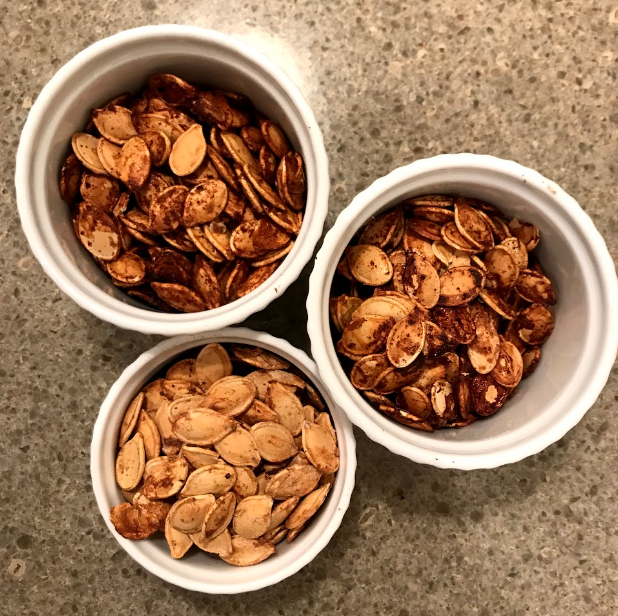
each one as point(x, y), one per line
point(390, 82)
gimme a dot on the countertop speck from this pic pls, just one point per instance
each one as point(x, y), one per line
point(390, 82)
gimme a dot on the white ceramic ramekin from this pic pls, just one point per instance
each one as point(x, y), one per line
point(122, 63)
point(576, 359)
point(196, 571)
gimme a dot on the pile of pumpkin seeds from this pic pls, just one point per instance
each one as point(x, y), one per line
point(187, 197)
point(440, 310)
point(232, 451)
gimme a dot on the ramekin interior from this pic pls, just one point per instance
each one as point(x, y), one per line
point(122, 63)
point(198, 571)
point(578, 356)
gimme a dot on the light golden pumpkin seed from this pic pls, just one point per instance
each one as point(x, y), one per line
point(253, 516)
point(450, 235)
point(367, 335)
point(246, 483)
point(414, 401)
point(202, 426)
point(535, 288)
point(421, 280)
point(218, 517)
point(159, 145)
point(442, 399)
point(164, 476)
point(274, 441)
point(212, 363)
point(509, 369)
point(114, 123)
point(497, 303)
point(516, 247)
point(129, 421)
point(246, 552)
point(366, 371)
point(210, 479)
point(133, 163)
point(178, 542)
point(231, 395)
point(128, 269)
point(281, 511)
point(187, 514)
point(320, 447)
point(220, 545)
point(198, 456)
point(188, 151)
point(130, 463)
point(369, 265)
point(204, 202)
point(287, 406)
point(307, 507)
point(178, 296)
point(380, 230)
point(502, 268)
point(297, 480)
point(150, 434)
point(239, 448)
point(275, 139)
point(85, 147)
point(526, 232)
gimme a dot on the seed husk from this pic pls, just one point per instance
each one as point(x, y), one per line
point(246, 552)
point(526, 232)
point(188, 151)
point(421, 280)
point(406, 339)
point(198, 456)
point(187, 514)
point(281, 511)
point(179, 543)
point(218, 517)
point(239, 449)
point(114, 123)
point(220, 545)
point(473, 226)
point(307, 507)
point(510, 366)
point(460, 285)
point(531, 358)
point(210, 479)
point(181, 370)
point(204, 202)
point(133, 163)
point(297, 480)
point(150, 434)
point(367, 335)
point(535, 288)
point(487, 395)
point(97, 232)
point(131, 416)
point(212, 363)
point(367, 370)
point(130, 463)
point(502, 268)
point(164, 476)
point(456, 322)
point(274, 441)
point(246, 483)
point(534, 325)
point(369, 265)
point(414, 401)
point(287, 406)
point(253, 516)
point(321, 449)
point(231, 395)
